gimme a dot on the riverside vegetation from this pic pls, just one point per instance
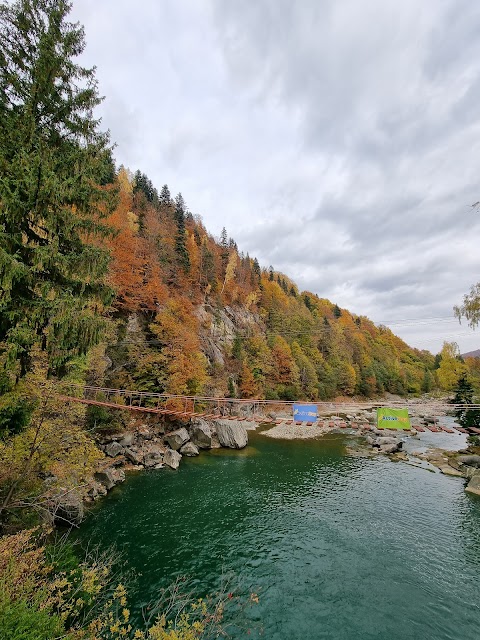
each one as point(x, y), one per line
point(105, 280)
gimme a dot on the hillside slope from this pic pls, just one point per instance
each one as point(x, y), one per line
point(194, 315)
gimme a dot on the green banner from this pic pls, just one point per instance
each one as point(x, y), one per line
point(392, 418)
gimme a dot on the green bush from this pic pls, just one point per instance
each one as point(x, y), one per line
point(21, 621)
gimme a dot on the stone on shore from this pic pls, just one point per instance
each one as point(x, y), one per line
point(232, 434)
point(382, 440)
point(172, 458)
point(134, 456)
point(474, 485)
point(177, 438)
point(68, 508)
point(109, 477)
point(114, 449)
point(390, 448)
point(201, 434)
point(470, 460)
point(189, 450)
point(127, 440)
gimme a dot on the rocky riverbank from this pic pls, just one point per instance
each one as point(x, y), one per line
point(158, 444)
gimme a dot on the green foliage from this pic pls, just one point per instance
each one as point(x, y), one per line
point(180, 245)
point(464, 394)
point(19, 620)
point(15, 412)
point(103, 419)
point(470, 307)
point(54, 165)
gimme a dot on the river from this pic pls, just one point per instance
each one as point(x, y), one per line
point(336, 546)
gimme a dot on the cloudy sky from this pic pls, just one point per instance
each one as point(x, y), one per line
point(337, 140)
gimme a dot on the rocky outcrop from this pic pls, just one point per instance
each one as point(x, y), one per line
point(172, 458)
point(189, 449)
point(177, 438)
point(201, 434)
point(232, 434)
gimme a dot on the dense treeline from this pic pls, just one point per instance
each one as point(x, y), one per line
point(166, 267)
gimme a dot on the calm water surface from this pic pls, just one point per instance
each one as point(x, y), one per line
point(337, 547)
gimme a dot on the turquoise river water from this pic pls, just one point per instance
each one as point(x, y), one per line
point(336, 546)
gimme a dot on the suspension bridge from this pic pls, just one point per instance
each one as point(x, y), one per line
point(331, 414)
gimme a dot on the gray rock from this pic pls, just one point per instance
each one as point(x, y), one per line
point(101, 489)
point(201, 434)
point(172, 458)
point(189, 449)
point(383, 440)
point(114, 449)
point(389, 448)
point(152, 458)
point(470, 460)
point(177, 438)
point(106, 478)
point(232, 434)
point(127, 440)
point(474, 485)
point(134, 456)
point(67, 507)
point(369, 440)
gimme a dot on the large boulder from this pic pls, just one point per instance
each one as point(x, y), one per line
point(201, 434)
point(189, 449)
point(127, 440)
point(106, 477)
point(232, 434)
point(383, 440)
point(67, 508)
point(114, 449)
point(474, 485)
point(153, 456)
point(135, 457)
point(390, 448)
point(109, 477)
point(177, 438)
point(172, 458)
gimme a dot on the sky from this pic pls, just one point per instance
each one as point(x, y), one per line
point(336, 140)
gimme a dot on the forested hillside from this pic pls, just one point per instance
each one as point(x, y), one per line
point(194, 315)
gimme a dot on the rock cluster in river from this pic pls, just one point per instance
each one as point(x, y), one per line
point(156, 445)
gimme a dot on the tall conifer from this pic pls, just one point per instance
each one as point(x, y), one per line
point(54, 165)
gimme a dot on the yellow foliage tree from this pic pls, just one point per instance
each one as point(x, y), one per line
point(451, 367)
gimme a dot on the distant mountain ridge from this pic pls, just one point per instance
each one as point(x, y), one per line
point(472, 354)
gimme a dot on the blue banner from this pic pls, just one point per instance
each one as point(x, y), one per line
point(305, 412)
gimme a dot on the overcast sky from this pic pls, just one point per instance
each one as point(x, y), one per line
point(338, 140)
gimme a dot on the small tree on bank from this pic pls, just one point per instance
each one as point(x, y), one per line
point(464, 395)
point(54, 166)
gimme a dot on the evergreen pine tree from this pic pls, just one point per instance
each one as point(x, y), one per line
point(464, 395)
point(180, 244)
point(256, 271)
point(165, 198)
point(53, 162)
point(224, 253)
